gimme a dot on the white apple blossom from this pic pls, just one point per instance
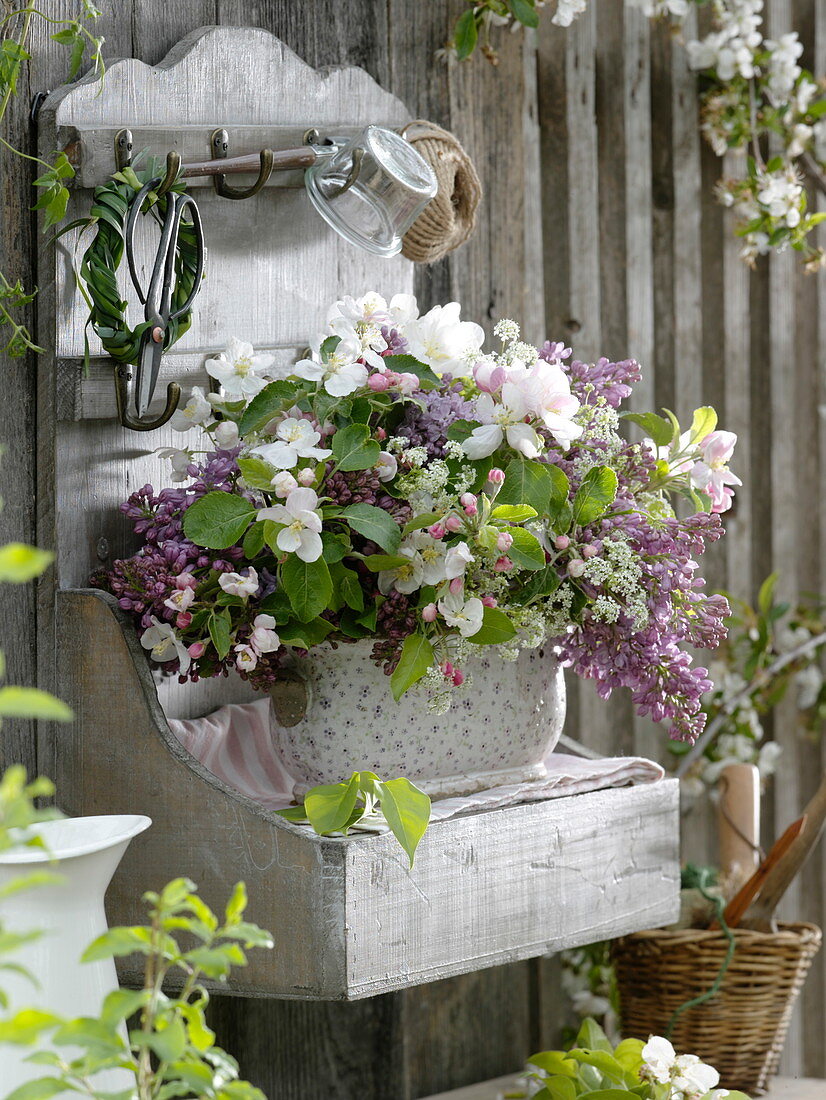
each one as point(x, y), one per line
point(295, 439)
point(465, 615)
point(442, 341)
point(547, 391)
point(567, 11)
point(387, 466)
point(432, 554)
point(195, 412)
point(301, 534)
point(180, 462)
point(404, 578)
point(780, 194)
point(264, 638)
point(711, 473)
point(457, 560)
point(247, 658)
point(687, 1076)
point(502, 420)
point(164, 645)
point(237, 585)
point(283, 483)
point(241, 372)
point(338, 370)
point(361, 319)
point(180, 599)
point(226, 434)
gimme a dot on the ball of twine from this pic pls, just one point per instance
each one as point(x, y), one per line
point(449, 219)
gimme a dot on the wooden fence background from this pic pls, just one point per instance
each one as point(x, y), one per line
point(598, 228)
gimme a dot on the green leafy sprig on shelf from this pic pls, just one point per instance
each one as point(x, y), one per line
point(76, 36)
point(172, 1051)
point(753, 94)
point(338, 807)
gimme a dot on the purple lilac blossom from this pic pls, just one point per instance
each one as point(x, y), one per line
point(613, 381)
point(427, 427)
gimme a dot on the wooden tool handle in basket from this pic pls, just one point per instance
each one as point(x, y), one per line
point(760, 914)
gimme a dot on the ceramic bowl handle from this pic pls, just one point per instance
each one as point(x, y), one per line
point(291, 697)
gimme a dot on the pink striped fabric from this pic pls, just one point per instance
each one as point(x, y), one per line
point(236, 745)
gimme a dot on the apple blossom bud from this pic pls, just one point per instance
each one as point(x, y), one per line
point(378, 383)
point(469, 503)
point(430, 613)
point(448, 669)
point(185, 580)
point(436, 531)
point(408, 383)
point(226, 434)
point(505, 541)
point(183, 619)
point(283, 483)
point(576, 567)
point(196, 650)
point(457, 584)
point(453, 523)
point(490, 601)
point(562, 542)
point(502, 565)
point(458, 677)
point(496, 476)
point(589, 550)
point(381, 435)
point(306, 476)
point(393, 379)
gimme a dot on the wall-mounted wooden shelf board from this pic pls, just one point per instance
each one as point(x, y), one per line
point(349, 919)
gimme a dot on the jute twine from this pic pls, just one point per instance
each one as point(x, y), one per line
point(450, 218)
point(741, 1030)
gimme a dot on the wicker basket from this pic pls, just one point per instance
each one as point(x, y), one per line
point(742, 1029)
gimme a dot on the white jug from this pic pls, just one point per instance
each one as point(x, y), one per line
point(70, 915)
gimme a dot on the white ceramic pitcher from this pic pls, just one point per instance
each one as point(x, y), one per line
point(70, 915)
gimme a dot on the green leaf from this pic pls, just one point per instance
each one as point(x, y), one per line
point(554, 1062)
point(560, 1088)
point(253, 542)
point(374, 524)
point(378, 562)
point(304, 635)
point(705, 421)
point(416, 658)
point(220, 632)
point(351, 590)
point(407, 812)
point(525, 12)
point(91, 1034)
point(353, 448)
point(218, 520)
point(120, 1004)
point(23, 702)
point(591, 1037)
point(525, 551)
point(41, 1089)
point(629, 1051)
point(427, 519)
point(335, 547)
point(765, 597)
point(237, 904)
point(597, 491)
point(657, 427)
point(408, 364)
point(168, 1044)
point(544, 582)
point(26, 1026)
point(20, 563)
point(606, 1063)
point(119, 942)
point(257, 473)
point(328, 807)
point(465, 34)
point(496, 628)
point(267, 404)
point(526, 482)
point(308, 585)
point(513, 513)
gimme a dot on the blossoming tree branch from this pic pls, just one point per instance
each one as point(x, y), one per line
point(754, 96)
point(406, 485)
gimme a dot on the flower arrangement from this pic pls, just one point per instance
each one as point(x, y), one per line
point(754, 89)
point(405, 485)
point(593, 1067)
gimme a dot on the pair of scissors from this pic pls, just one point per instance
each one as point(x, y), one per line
point(162, 301)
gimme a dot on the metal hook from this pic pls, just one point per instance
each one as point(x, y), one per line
point(173, 167)
point(220, 148)
point(123, 376)
point(123, 149)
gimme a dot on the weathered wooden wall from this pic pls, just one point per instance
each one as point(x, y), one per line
point(599, 228)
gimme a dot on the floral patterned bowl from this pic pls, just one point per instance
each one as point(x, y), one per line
point(499, 730)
